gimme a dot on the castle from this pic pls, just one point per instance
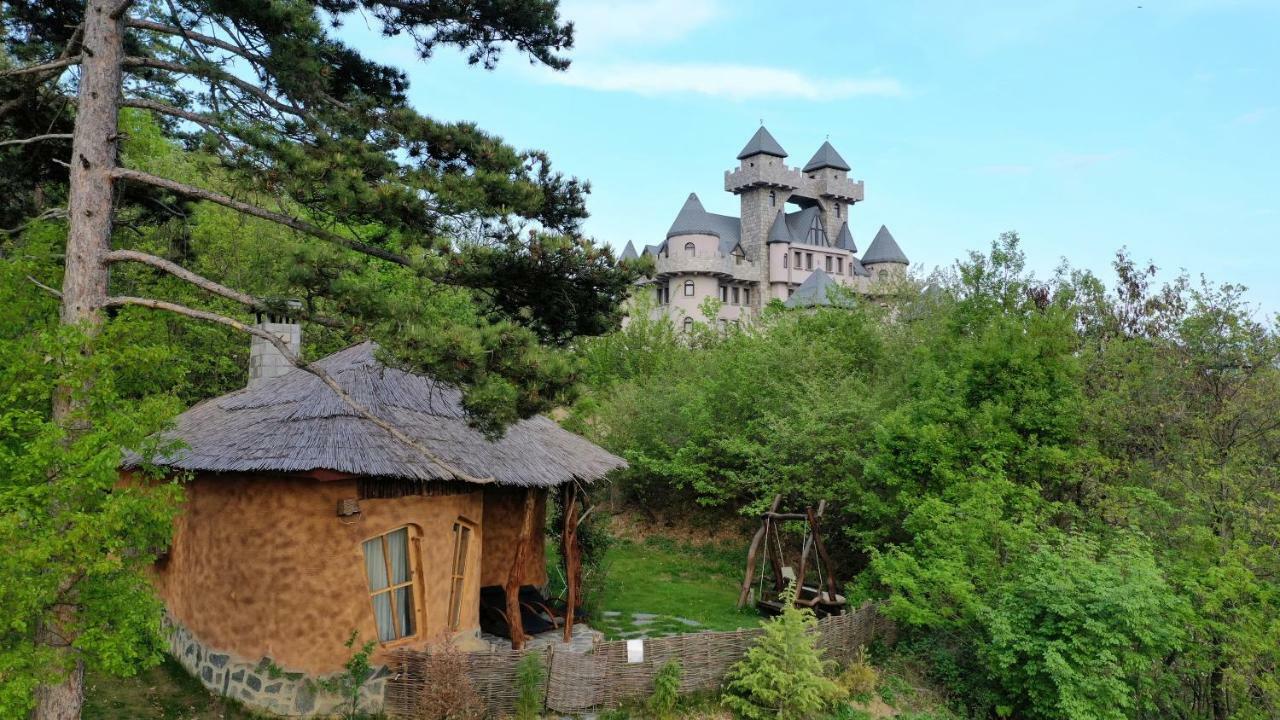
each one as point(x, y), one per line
point(771, 251)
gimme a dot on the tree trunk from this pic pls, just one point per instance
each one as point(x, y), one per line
point(84, 282)
point(515, 578)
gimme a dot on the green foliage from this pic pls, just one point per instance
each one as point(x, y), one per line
point(531, 679)
point(782, 675)
point(355, 672)
point(666, 691)
point(859, 680)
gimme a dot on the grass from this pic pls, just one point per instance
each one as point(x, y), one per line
point(659, 586)
point(164, 692)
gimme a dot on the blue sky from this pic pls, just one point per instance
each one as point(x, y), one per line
point(1085, 126)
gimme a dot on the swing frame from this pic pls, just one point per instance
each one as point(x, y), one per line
point(823, 601)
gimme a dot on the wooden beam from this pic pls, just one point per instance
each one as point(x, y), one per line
point(572, 556)
point(822, 554)
point(515, 577)
point(751, 554)
point(804, 561)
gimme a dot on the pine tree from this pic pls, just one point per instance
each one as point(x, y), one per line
point(783, 675)
point(398, 209)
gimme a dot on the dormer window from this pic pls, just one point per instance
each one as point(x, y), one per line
point(690, 250)
point(817, 235)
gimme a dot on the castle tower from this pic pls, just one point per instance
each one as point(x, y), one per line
point(883, 258)
point(762, 182)
point(827, 174)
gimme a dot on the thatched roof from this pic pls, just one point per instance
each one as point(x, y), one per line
point(296, 423)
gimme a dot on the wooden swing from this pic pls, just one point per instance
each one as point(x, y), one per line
point(822, 600)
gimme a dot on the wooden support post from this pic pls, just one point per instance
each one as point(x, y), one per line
point(515, 578)
point(822, 553)
point(804, 561)
point(751, 553)
point(572, 556)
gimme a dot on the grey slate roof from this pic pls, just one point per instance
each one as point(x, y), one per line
point(779, 232)
point(884, 249)
point(693, 219)
point(629, 252)
point(799, 223)
point(844, 240)
point(817, 289)
point(762, 143)
point(856, 268)
point(296, 423)
point(826, 157)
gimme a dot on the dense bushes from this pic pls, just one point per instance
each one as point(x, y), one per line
point(1066, 495)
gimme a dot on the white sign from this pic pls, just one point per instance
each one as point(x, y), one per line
point(635, 651)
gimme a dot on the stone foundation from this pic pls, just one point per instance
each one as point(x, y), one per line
point(264, 686)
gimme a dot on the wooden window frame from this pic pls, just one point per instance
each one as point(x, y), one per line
point(413, 536)
point(457, 582)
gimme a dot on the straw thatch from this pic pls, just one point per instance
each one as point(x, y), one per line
point(295, 423)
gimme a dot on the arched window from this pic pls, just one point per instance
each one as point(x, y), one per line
point(688, 324)
point(785, 256)
point(773, 198)
point(688, 288)
point(883, 274)
point(690, 249)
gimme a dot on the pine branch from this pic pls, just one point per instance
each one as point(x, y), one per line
point(215, 74)
point(250, 301)
point(197, 37)
point(43, 67)
point(205, 121)
point(314, 369)
point(119, 10)
point(37, 138)
point(45, 288)
point(275, 217)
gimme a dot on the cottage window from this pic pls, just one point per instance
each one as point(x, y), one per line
point(688, 288)
point(690, 249)
point(457, 581)
point(386, 562)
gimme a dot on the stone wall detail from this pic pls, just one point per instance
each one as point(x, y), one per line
point(262, 685)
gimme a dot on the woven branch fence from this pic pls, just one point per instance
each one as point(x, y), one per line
point(602, 677)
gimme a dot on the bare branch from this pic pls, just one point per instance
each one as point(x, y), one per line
point(265, 97)
point(279, 218)
point(314, 369)
point(119, 10)
point(204, 121)
point(196, 37)
point(50, 214)
point(37, 138)
point(43, 67)
point(176, 270)
point(45, 288)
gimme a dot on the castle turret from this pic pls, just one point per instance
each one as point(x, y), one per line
point(762, 182)
point(828, 174)
point(883, 257)
point(629, 252)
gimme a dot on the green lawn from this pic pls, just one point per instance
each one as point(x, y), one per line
point(662, 587)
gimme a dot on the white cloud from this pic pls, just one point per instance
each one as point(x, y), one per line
point(608, 23)
point(732, 81)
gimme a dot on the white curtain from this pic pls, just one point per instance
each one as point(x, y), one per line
point(375, 564)
point(398, 550)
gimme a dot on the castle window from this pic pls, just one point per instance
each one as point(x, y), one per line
point(808, 261)
point(773, 198)
point(391, 584)
point(837, 209)
point(829, 263)
point(664, 294)
point(690, 249)
point(883, 274)
point(688, 288)
point(798, 265)
point(839, 266)
point(724, 293)
point(688, 324)
point(785, 258)
point(736, 296)
point(746, 296)
point(790, 292)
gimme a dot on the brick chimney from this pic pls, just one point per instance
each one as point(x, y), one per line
point(265, 360)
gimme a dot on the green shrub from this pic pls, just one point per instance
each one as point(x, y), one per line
point(530, 677)
point(860, 679)
point(783, 675)
point(666, 690)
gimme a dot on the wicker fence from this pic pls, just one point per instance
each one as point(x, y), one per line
point(603, 678)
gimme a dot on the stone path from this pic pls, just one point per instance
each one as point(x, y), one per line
point(584, 638)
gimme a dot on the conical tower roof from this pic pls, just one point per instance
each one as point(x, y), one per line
point(629, 252)
point(844, 240)
point(815, 290)
point(884, 249)
point(762, 143)
point(779, 232)
point(693, 220)
point(826, 157)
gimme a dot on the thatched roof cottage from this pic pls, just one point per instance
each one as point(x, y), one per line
point(306, 521)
